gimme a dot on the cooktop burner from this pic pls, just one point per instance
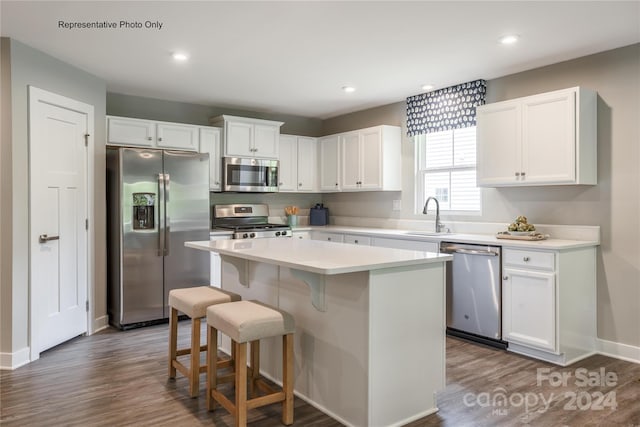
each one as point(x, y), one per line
point(247, 221)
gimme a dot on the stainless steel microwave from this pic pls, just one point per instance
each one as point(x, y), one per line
point(250, 175)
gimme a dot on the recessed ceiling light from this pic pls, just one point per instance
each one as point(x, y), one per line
point(348, 89)
point(427, 87)
point(180, 56)
point(509, 39)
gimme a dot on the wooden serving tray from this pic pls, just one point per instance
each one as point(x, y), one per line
point(512, 237)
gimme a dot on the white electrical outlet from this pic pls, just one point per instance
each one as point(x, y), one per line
point(397, 205)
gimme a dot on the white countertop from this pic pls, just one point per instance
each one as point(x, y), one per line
point(483, 239)
point(318, 256)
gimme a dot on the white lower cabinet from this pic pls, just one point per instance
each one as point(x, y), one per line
point(305, 235)
point(412, 245)
point(549, 303)
point(357, 239)
point(529, 301)
point(329, 237)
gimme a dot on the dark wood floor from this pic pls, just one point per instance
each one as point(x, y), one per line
point(119, 378)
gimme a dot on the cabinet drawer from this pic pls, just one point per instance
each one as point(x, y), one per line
point(330, 237)
point(357, 240)
point(529, 259)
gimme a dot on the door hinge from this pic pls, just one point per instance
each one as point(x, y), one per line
point(86, 139)
point(87, 305)
point(86, 224)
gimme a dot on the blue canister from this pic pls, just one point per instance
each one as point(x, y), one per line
point(318, 215)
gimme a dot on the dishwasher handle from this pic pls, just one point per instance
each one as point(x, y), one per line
point(454, 250)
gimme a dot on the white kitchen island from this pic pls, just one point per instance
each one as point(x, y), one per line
point(370, 322)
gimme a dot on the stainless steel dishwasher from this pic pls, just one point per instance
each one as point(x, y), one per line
point(474, 297)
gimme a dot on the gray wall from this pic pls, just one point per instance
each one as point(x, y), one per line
point(180, 112)
point(32, 67)
point(614, 204)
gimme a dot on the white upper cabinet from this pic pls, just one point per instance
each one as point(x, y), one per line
point(297, 168)
point(370, 159)
point(210, 143)
point(307, 163)
point(247, 137)
point(288, 167)
point(131, 132)
point(329, 163)
point(545, 139)
point(147, 133)
point(173, 135)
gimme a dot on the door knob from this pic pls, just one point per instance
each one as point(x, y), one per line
point(43, 238)
point(505, 277)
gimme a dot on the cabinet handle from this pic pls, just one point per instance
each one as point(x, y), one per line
point(149, 138)
point(279, 183)
point(505, 277)
point(521, 173)
point(517, 173)
point(356, 242)
point(217, 182)
point(299, 184)
point(336, 184)
point(159, 139)
point(525, 259)
point(329, 238)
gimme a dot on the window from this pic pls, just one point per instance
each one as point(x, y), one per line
point(446, 170)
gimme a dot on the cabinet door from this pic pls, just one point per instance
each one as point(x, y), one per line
point(307, 161)
point(180, 137)
point(357, 240)
point(131, 132)
point(350, 161)
point(238, 139)
point(329, 237)
point(288, 166)
point(266, 139)
point(371, 159)
point(210, 143)
point(413, 245)
point(329, 149)
point(549, 138)
point(499, 142)
point(529, 308)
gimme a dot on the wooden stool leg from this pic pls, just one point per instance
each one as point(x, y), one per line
point(194, 370)
point(173, 341)
point(212, 366)
point(255, 366)
point(241, 384)
point(287, 379)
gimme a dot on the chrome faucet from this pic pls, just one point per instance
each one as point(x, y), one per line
point(424, 211)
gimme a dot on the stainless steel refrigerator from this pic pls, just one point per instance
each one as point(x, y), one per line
point(156, 201)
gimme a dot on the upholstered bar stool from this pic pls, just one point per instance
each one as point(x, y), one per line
point(193, 302)
point(248, 322)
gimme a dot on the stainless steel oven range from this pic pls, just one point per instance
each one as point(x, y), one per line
point(248, 221)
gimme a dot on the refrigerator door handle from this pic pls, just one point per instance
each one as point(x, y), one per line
point(161, 214)
point(167, 220)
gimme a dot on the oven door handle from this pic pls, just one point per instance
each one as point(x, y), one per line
point(469, 252)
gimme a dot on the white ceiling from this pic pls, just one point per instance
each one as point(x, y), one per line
point(293, 57)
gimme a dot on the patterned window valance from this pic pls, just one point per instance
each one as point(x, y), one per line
point(445, 109)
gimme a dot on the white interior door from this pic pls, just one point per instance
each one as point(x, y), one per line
point(58, 215)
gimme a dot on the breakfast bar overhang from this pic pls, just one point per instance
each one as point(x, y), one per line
point(369, 344)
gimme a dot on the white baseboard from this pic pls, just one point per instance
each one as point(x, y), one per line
point(100, 323)
point(11, 361)
point(618, 350)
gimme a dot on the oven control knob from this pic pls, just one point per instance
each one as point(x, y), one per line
point(285, 233)
point(245, 235)
point(278, 233)
point(252, 235)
